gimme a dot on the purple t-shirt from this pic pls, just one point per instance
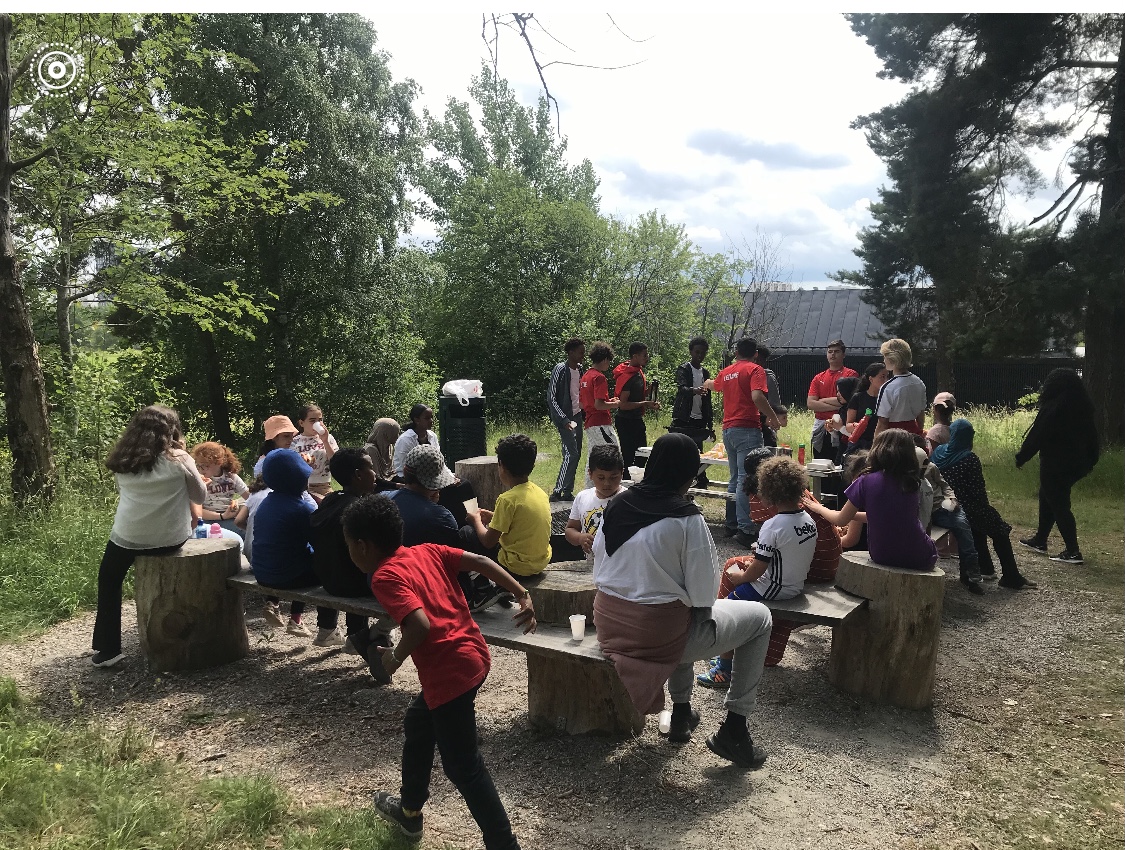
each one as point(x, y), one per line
point(895, 537)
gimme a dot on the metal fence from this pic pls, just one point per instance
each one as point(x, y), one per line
point(1000, 383)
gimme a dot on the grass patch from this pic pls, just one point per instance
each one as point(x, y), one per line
point(80, 787)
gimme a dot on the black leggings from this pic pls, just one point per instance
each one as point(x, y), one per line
point(111, 576)
point(1002, 543)
point(1054, 509)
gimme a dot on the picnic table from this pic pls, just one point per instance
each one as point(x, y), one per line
point(816, 476)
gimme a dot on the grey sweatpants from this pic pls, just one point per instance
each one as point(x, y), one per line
point(730, 624)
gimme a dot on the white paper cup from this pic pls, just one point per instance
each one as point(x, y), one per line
point(578, 626)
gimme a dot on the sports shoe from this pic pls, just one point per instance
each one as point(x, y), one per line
point(744, 539)
point(555, 497)
point(741, 751)
point(389, 808)
point(682, 727)
point(295, 628)
point(329, 637)
point(974, 587)
point(1034, 543)
point(1016, 582)
point(272, 613)
point(988, 575)
point(486, 597)
point(1067, 556)
point(716, 678)
point(107, 659)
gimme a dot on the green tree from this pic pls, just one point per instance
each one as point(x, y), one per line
point(996, 78)
point(520, 240)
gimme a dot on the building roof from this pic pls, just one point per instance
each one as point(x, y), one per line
point(804, 321)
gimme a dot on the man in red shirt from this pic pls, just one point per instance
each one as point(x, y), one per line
point(744, 387)
point(417, 585)
point(823, 402)
point(593, 398)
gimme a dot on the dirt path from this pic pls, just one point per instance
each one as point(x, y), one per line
point(841, 774)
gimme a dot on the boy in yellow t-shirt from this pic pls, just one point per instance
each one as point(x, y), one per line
point(521, 523)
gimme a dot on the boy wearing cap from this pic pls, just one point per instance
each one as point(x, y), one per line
point(425, 521)
point(418, 588)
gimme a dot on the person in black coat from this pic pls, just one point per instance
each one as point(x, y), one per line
point(692, 411)
point(1066, 439)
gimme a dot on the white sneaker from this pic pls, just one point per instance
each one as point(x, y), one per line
point(328, 637)
point(295, 628)
point(272, 613)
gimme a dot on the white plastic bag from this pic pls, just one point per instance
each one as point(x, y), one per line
point(464, 389)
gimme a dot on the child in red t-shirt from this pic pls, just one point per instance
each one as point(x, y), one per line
point(418, 587)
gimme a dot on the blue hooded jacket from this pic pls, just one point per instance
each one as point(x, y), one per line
point(282, 555)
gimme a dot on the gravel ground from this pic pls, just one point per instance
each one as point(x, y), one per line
point(841, 773)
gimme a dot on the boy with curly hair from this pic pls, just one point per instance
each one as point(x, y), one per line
point(521, 523)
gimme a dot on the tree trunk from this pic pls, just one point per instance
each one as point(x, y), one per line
point(943, 363)
point(63, 304)
point(187, 617)
point(483, 473)
point(1104, 370)
point(216, 394)
point(25, 395)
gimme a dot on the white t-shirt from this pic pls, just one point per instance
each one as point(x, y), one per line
point(405, 443)
point(902, 398)
point(672, 560)
point(587, 510)
point(697, 401)
point(314, 447)
point(154, 507)
point(221, 489)
point(788, 541)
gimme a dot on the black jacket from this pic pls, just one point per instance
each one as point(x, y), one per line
point(681, 407)
point(333, 564)
point(558, 396)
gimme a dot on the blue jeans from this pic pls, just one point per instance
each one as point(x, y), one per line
point(738, 443)
point(958, 525)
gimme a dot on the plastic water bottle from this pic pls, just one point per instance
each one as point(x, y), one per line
point(216, 531)
point(201, 530)
point(664, 721)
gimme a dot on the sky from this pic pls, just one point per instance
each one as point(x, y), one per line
point(731, 123)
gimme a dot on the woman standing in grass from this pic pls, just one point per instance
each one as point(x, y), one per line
point(1066, 439)
point(157, 481)
point(960, 466)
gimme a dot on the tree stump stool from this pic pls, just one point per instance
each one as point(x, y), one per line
point(887, 652)
point(566, 694)
point(187, 618)
point(483, 472)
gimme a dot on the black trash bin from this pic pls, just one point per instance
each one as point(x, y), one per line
point(460, 429)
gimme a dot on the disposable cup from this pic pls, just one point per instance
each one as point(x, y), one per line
point(578, 626)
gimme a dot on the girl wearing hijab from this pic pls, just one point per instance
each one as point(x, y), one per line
point(962, 470)
point(655, 611)
point(1066, 440)
point(380, 448)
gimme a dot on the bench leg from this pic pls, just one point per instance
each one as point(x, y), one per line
point(579, 698)
point(187, 617)
point(887, 653)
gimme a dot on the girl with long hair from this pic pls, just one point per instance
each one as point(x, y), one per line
point(1066, 439)
point(157, 481)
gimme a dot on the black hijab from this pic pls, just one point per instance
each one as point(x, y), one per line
point(674, 460)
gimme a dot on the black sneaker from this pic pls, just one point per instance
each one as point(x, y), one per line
point(1017, 582)
point(682, 727)
point(1034, 543)
point(389, 808)
point(555, 497)
point(741, 751)
point(1067, 556)
point(486, 597)
point(744, 539)
point(974, 587)
point(727, 531)
point(988, 575)
point(107, 659)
